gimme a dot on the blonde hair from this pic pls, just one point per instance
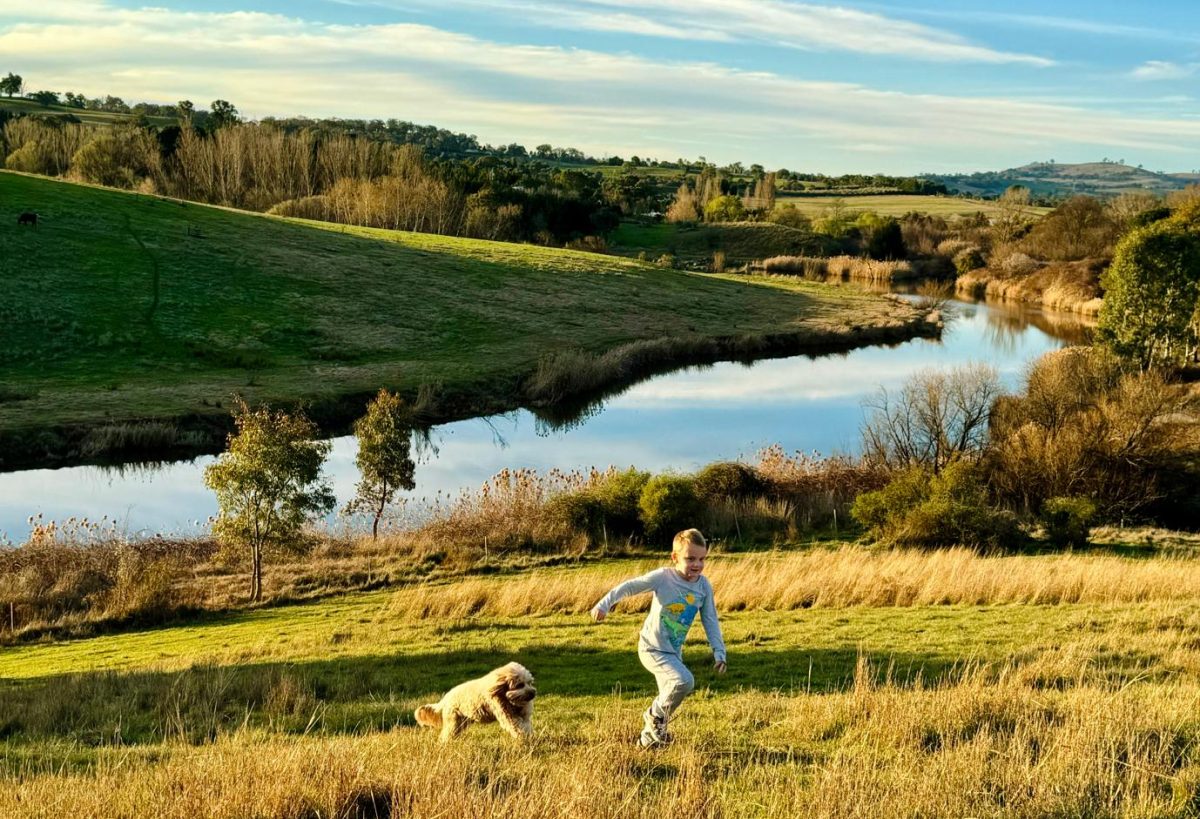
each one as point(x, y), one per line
point(688, 537)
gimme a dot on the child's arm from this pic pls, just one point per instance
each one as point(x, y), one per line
point(712, 630)
point(637, 585)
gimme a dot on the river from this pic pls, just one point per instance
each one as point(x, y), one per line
point(680, 420)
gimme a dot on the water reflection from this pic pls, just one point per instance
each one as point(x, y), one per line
point(677, 420)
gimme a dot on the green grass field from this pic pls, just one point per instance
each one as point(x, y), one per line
point(281, 310)
point(694, 245)
point(306, 710)
point(895, 204)
point(20, 106)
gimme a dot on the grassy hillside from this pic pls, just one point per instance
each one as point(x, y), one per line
point(282, 310)
point(20, 106)
point(1067, 179)
point(867, 709)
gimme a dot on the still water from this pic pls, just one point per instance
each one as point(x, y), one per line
point(679, 420)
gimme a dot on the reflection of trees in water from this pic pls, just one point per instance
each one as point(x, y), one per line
point(137, 469)
point(574, 412)
point(1007, 323)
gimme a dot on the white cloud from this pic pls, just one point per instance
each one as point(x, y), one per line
point(777, 22)
point(1162, 70)
point(599, 102)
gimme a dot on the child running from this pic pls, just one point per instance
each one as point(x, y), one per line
point(679, 593)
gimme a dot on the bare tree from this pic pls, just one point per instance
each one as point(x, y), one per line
point(934, 418)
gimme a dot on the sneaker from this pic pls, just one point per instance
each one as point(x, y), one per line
point(654, 730)
point(648, 739)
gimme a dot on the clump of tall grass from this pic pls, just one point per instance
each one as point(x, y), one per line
point(507, 513)
point(69, 574)
point(839, 267)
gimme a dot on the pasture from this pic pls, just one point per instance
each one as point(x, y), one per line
point(895, 205)
point(866, 704)
point(123, 308)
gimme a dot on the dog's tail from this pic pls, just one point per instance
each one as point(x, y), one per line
point(429, 716)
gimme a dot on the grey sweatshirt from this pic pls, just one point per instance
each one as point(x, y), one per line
point(675, 605)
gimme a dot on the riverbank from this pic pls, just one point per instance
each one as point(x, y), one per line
point(133, 320)
point(1072, 287)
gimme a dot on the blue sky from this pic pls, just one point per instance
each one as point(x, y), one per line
point(894, 87)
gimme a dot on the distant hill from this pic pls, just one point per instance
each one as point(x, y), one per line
point(1057, 179)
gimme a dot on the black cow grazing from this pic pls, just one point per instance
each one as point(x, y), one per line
point(27, 219)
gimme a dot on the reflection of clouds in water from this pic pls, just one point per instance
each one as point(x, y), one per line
point(680, 420)
point(167, 497)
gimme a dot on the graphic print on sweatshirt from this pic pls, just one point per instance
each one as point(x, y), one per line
point(677, 618)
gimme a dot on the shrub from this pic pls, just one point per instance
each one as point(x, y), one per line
point(1079, 228)
point(1151, 306)
point(1068, 520)
point(790, 216)
point(580, 512)
point(1085, 424)
point(926, 510)
point(619, 494)
point(668, 504)
point(726, 481)
point(665, 260)
point(1018, 264)
point(968, 259)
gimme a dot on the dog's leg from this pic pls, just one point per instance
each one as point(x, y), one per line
point(453, 724)
point(502, 710)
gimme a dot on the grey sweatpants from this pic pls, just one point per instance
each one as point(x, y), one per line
point(674, 680)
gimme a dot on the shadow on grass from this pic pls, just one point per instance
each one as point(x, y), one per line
point(354, 695)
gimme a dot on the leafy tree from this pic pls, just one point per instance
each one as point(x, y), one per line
point(12, 84)
point(222, 113)
point(384, 456)
point(724, 209)
point(44, 98)
point(1151, 310)
point(268, 484)
point(186, 110)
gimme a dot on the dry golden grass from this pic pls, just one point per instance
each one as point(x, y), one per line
point(849, 576)
point(992, 743)
point(839, 267)
point(1067, 286)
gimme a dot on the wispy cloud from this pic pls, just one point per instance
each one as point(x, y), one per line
point(775, 22)
point(599, 102)
point(1054, 23)
point(1163, 70)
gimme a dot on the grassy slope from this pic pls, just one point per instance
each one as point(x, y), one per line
point(20, 106)
point(278, 309)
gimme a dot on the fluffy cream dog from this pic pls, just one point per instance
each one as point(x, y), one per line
point(504, 696)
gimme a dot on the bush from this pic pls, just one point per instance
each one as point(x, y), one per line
point(1068, 520)
point(726, 481)
point(668, 504)
point(619, 495)
point(926, 510)
point(1087, 425)
point(967, 260)
point(580, 512)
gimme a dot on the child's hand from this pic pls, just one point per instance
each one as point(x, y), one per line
point(598, 615)
point(719, 666)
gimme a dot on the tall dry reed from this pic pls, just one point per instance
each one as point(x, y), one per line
point(849, 576)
